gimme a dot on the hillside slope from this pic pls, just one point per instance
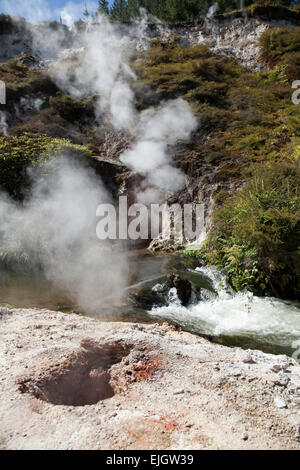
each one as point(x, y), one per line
point(236, 73)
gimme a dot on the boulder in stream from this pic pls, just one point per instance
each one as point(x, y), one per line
point(183, 287)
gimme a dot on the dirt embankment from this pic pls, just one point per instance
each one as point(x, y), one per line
point(69, 382)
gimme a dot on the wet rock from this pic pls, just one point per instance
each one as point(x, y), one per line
point(147, 298)
point(110, 171)
point(162, 294)
point(183, 287)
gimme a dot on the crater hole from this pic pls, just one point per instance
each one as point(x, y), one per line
point(84, 378)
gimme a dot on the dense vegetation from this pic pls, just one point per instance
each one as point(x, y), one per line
point(60, 115)
point(256, 234)
point(21, 79)
point(281, 46)
point(249, 131)
point(72, 109)
point(188, 10)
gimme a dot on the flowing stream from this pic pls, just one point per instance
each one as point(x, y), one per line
point(242, 319)
point(239, 319)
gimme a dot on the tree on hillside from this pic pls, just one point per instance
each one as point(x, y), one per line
point(86, 13)
point(103, 7)
point(119, 11)
point(133, 7)
point(157, 8)
point(180, 10)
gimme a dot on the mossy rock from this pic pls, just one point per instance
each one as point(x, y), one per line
point(146, 298)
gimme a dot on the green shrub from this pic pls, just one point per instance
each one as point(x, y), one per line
point(281, 46)
point(191, 72)
point(72, 109)
point(21, 80)
point(272, 10)
point(18, 153)
point(248, 117)
point(256, 233)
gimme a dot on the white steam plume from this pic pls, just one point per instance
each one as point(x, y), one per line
point(159, 128)
point(60, 214)
point(3, 123)
point(102, 68)
point(212, 10)
point(56, 226)
point(72, 11)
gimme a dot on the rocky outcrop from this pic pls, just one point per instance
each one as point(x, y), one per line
point(235, 37)
point(111, 172)
point(69, 382)
point(182, 286)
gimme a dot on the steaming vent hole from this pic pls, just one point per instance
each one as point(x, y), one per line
point(84, 378)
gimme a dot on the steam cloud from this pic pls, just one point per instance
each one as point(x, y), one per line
point(3, 123)
point(60, 214)
point(212, 10)
point(159, 128)
point(103, 69)
point(56, 228)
